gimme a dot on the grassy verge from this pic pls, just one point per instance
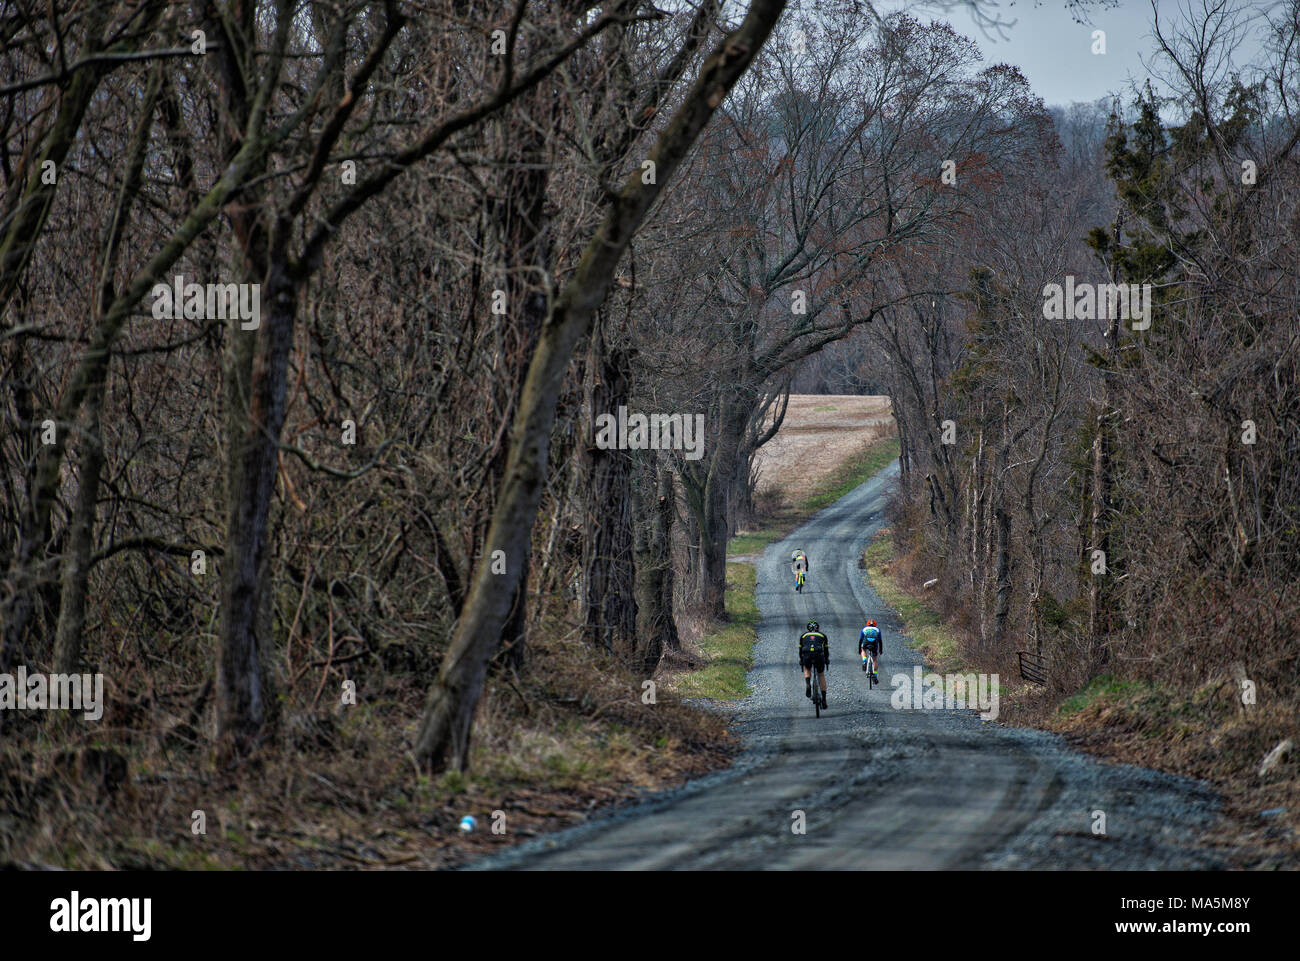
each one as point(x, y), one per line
point(1206, 733)
point(335, 787)
point(1101, 692)
point(928, 631)
point(864, 465)
point(730, 650)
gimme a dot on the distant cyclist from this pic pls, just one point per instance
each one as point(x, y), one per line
point(798, 563)
point(870, 643)
point(814, 652)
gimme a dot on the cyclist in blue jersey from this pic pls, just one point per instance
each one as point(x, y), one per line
point(870, 643)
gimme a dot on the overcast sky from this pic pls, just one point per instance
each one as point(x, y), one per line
point(1055, 53)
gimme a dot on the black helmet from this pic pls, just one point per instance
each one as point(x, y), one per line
point(812, 625)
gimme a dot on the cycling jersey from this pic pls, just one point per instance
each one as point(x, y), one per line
point(814, 649)
point(799, 562)
point(871, 640)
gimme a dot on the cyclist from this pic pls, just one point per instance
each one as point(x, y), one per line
point(814, 652)
point(798, 562)
point(870, 643)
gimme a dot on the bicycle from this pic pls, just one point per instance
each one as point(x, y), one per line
point(872, 679)
point(819, 695)
point(798, 582)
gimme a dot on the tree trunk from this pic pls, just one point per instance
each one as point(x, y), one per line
point(713, 543)
point(655, 627)
point(1099, 600)
point(717, 521)
point(76, 562)
point(1002, 582)
point(514, 635)
point(524, 238)
point(255, 418)
point(71, 601)
point(609, 573)
point(444, 736)
point(32, 528)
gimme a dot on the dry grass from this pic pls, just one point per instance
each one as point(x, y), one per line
point(820, 432)
point(338, 789)
point(1204, 732)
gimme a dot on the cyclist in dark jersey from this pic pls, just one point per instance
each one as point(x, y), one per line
point(814, 652)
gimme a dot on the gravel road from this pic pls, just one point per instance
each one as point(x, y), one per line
point(880, 787)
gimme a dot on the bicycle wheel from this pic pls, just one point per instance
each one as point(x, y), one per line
point(817, 698)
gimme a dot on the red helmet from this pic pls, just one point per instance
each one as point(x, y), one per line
point(871, 623)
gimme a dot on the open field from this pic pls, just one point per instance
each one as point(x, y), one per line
point(821, 432)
